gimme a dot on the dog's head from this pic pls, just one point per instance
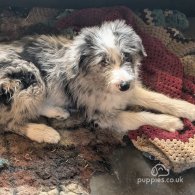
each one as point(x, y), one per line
point(109, 54)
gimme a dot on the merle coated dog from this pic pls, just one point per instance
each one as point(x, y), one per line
point(97, 71)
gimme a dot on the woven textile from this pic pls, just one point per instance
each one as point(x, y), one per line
point(165, 18)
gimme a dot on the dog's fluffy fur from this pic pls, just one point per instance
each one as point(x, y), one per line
point(97, 72)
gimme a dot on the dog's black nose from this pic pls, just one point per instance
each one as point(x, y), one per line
point(124, 85)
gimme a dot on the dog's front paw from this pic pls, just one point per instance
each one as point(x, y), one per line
point(42, 133)
point(182, 109)
point(189, 111)
point(170, 123)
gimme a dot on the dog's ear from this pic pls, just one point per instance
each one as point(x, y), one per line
point(142, 51)
point(77, 64)
point(75, 70)
point(81, 60)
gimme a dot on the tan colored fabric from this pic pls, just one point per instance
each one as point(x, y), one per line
point(174, 154)
point(70, 188)
point(189, 64)
point(180, 47)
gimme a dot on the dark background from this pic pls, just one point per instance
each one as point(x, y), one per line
point(186, 6)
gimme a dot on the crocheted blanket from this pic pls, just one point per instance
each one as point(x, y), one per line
point(169, 69)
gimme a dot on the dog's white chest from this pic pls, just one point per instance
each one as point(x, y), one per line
point(105, 102)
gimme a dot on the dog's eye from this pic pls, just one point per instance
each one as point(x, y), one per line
point(127, 57)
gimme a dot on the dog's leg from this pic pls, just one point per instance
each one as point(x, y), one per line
point(132, 121)
point(40, 133)
point(162, 103)
point(54, 112)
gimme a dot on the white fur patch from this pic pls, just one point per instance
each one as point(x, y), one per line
point(121, 75)
point(106, 38)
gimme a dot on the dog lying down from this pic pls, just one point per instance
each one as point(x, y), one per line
point(97, 72)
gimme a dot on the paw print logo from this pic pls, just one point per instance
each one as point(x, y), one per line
point(159, 170)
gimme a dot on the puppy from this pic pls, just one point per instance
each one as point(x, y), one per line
point(97, 72)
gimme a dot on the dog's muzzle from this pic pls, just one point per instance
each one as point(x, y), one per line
point(124, 85)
